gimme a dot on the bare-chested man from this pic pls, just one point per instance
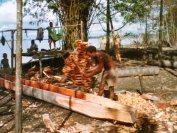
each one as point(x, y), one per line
point(5, 64)
point(103, 61)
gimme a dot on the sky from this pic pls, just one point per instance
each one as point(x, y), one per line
point(7, 17)
point(8, 21)
point(8, 10)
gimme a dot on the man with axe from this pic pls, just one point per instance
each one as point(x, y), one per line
point(103, 62)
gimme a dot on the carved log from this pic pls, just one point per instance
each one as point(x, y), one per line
point(164, 63)
point(85, 107)
point(135, 71)
point(87, 104)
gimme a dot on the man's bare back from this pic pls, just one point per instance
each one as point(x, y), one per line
point(107, 61)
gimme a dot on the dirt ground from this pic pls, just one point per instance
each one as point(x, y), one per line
point(163, 85)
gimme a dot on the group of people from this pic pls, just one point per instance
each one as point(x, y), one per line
point(104, 64)
point(51, 30)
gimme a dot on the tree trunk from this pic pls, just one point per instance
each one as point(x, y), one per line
point(167, 32)
point(116, 42)
point(146, 32)
point(73, 12)
point(108, 29)
point(160, 30)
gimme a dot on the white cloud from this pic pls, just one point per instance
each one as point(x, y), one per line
point(8, 15)
point(8, 20)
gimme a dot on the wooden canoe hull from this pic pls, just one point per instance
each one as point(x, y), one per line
point(164, 63)
point(135, 71)
point(87, 104)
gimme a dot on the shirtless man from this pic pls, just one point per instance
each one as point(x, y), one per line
point(5, 64)
point(33, 47)
point(103, 61)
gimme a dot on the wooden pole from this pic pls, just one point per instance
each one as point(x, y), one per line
point(116, 42)
point(108, 28)
point(40, 65)
point(82, 33)
point(18, 92)
point(160, 30)
point(141, 83)
point(12, 50)
point(146, 32)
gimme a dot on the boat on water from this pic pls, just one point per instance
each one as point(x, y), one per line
point(75, 100)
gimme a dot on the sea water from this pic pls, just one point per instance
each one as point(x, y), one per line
point(26, 43)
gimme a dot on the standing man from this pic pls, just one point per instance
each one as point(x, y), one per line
point(51, 30)
point(103, 62)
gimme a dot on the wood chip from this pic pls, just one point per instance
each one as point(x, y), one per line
point(48, 123)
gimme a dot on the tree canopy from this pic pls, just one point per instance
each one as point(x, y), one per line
point(70, 13)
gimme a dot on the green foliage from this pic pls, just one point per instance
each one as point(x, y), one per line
point(132, 10)
point(36, 9)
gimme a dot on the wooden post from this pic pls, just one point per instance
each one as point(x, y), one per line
point(12, 50)
point(107, 27)
point(82, 33)
point(141, 83)
point(18, 91)
point(116, 44)
point(40, 65)
point(160, 30)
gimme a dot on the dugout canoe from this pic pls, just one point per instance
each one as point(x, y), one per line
point(135, 71)
point(75, 100)
point(164, 63)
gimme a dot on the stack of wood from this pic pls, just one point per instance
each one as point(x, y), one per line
point(32, 73)
point(48, 70)
point(82, 60)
